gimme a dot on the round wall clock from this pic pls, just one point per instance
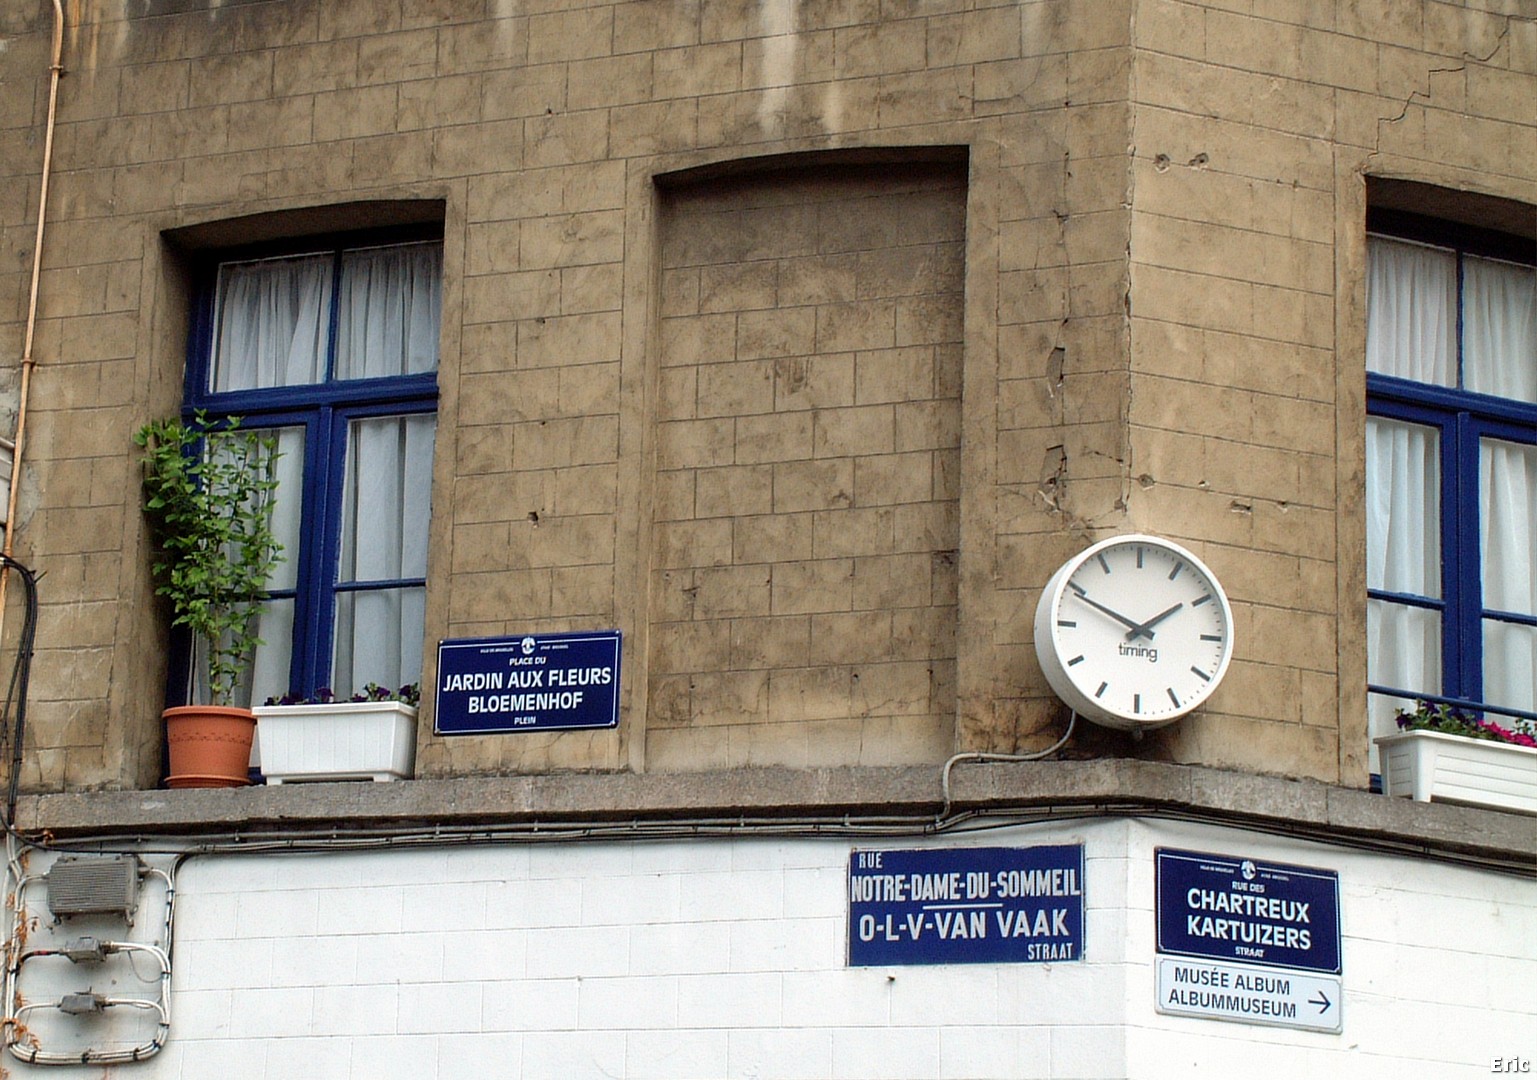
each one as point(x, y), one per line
point(1134, 632)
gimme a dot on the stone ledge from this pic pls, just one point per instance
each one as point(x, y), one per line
point(911, 793)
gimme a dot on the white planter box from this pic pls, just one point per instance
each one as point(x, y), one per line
point(1428, 765)
point(356, 740)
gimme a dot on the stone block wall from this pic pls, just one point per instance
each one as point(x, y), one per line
point(1114, 256)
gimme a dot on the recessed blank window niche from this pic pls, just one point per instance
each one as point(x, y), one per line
point(803, 573)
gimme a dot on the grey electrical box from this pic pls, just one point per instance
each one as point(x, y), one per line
point(93, 885)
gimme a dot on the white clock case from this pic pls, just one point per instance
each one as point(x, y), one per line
point(1050, 655)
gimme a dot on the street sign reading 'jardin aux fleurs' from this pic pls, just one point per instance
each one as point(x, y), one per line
point(1248, 941)
point(531, 682)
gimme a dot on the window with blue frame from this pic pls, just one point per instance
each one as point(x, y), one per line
point(332, 348)
point(1451, 468)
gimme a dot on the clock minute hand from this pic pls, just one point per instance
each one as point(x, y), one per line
point(1097, 606)
point(1145, 629)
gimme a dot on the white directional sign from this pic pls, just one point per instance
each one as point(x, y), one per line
point(1215, 990)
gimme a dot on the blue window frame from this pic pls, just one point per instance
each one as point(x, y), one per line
point(331, 346)
point(1452, 468)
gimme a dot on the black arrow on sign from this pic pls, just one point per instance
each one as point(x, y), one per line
point(1323, 1004)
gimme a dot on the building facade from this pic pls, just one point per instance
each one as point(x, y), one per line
point(800, 344)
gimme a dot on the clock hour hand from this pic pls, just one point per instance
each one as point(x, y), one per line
point(1097, 606)
point(1146, 629)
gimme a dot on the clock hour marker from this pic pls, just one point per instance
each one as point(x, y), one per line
point(1175, 572)
point(1139, 558)
point(1205, 677)
point(1101, 691)
point(1136, 703)
point(1103, 564)
point(1211, 637)
point(1075, 660)
point(1077, 588)
point(1202, 600)
point(1173, 698)
point(1066, 622)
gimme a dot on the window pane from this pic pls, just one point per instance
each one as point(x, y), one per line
point(389, 486)
point(1507, 514)
point(1411, 304)
point(1499, 329)
point(1403, 508)
point(388, 318)
point(1510, 666)
point(1403, 650)
point(270, 323)
point(267, 674)
point(289, 503)
point(378, 638)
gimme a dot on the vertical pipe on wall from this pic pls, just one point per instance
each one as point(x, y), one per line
point(18, 440)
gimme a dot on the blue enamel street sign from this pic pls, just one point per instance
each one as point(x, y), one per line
point(1225, 907)
point(966, 905)
point(534, 682)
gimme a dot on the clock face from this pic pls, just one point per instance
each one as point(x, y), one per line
point(1134, 632)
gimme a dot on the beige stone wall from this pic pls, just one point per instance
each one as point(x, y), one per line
point(1134, 304)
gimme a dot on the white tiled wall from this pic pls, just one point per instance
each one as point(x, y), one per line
point(726, 957)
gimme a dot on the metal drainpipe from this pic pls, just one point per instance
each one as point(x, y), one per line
point(18, 441)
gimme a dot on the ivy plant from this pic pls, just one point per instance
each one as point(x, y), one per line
point(209, 492)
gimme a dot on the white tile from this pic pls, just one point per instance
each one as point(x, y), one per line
point(679, 948)
point(200, 1014)
point(842, 998)
point(261, 1014)
point(278, 914)
point(238, 1060)
point(461, 905)
point(560, 952)
point(524, 1005)
point(983, 1053)
point(788, 945)
point(668, 1055)
point(361, 911)
point(543, 902)
point(818, 892)
point(483, 1056)
point(484, 955)
point(877, 1054)
point(414, 956)
point(429, 1008)
point(314, 961)
point(1088, 1052)
point(628, 1003)
point(787, 1053)
point(207, 963)
point(642, 898)
point(728, 895)
point(730, 1000)
point(574, 1055)
point(355, 1010)
point(311, 1058)
point(396, 1057)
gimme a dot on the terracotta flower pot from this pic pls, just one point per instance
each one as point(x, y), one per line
point(210, 745)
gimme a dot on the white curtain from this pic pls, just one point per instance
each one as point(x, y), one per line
point(385, 510)
point(1411, 312)
point(271, 323)
point(389, 304)
point(1508, 528)
point(1499, 316)
point(1403, 555)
